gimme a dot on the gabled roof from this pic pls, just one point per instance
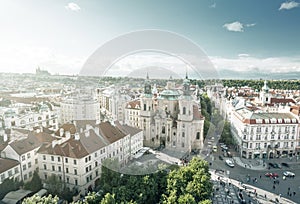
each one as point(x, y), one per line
point(126, 129)
point(67, 127)
point(25, 145)
point(110, 132)
point(135, 104)
point(6, 164)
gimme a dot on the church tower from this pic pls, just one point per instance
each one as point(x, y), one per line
point(146, 111)
point(265, 96)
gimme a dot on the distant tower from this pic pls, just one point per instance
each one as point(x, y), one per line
point(265, 96)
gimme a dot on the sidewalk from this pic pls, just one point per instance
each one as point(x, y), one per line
point(261, 195)
point(250, 163)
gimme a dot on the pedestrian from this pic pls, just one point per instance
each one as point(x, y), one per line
point(260, 176)
point(294, 193)
point(274, 187)
point(266, 196)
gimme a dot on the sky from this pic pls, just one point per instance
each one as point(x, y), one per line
point(60, 36)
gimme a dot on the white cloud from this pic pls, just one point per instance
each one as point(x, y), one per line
point(243, 55)
point(289, 5)
point(250, 25)
point(214, 5)
point(73, 7)
point(235, 26)
point(245, 62)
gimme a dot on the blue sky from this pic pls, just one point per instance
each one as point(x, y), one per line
point(60, 35)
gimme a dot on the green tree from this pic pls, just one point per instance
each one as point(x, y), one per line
point(188, 183)
point(9, 185)
point(108, 199)
point(35, 184)
point(35, 199)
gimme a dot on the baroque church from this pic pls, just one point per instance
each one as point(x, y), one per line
point(170, 118)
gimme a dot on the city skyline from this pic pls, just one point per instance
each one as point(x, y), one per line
point(60, 36)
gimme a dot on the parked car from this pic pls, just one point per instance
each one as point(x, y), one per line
point(220, 157)
point(271, 175)
point(224, 147)
point(289, 174)
point(271, 164)
point(229, 162)
point(285, 164)
point(275, 165)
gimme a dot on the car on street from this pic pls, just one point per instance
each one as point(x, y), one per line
point(271, 164)
point(285, 164)
point(229, 162)
point(288, 174)
point(277, 166)
point(271, 175)
point(215, 148)
point(224, 147)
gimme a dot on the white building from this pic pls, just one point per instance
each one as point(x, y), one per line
point(24, 150)
point(79, 108)
point(264, 135)
point(20, 118)
point(77, 158)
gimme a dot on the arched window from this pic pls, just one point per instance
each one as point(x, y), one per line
point(163, 131)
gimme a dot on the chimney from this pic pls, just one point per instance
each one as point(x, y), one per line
point(68, 135)
point(87, 133)
point(54, 142)
point(61, 132)
point(5, 137)
point(77, 137)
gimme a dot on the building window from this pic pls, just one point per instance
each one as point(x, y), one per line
point(52, 158)
point(30, 174)
point(183, 134)
point(24, 167)
point(75, 171)
point(86, 160)
point(45, 166)
point(86, 169)
point(184, 111)
point(182, 144)
point(265, 145)
point(44, 157)
point(28, 156)
point(198, 136)
point(67, 170)
point(10, 173)
point(46, 176)
point(68, 180)
point(25, 177)
point(16, 170)
point(53, 168)
point(66, 160)
point(76, 182)
point(59, 168)
point(58, 159)
point(23, 158)
point(36, 161)
point(87, 179)
point(75, 161)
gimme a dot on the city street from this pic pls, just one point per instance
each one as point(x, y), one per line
point(288, 188)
